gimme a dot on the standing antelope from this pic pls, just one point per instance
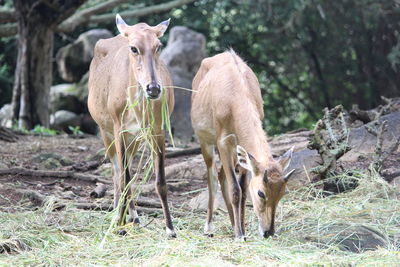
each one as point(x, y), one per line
point(125, 68)
point(227, 109)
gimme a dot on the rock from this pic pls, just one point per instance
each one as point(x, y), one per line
point(82, 90)
point(354, 238)
point(183, 55)
point(74, 59)
point(282, 143)
point(3, 165)
point(53, 160)
point(193, 168)
point(66, 97)
point(73, 98)
point(6, 115)
point(200, 201)
point(51, 164)
point(62, 119)
point(303, 161)
point(396, 183)
point(105, 170)
point(88, 125)
point(363, 143)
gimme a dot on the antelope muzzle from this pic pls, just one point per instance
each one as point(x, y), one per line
point(153, 90)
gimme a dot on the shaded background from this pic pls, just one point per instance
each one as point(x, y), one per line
point(307, 54)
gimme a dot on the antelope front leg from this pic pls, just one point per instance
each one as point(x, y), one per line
point(161, 185)
point(243, 181)
point(208, 155)
point(225, 193)
point(235, 192)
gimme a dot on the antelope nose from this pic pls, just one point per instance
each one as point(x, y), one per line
point(153, 90)
point(269, 233)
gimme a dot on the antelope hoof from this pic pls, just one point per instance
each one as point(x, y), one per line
point(171, 233)
point(134, 220)
point(240, 238)
point(122, 232)
point(209, 229)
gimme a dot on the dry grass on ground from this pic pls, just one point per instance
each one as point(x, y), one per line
point(312, 230)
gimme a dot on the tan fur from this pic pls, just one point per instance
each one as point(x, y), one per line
point(117, 78)
point(227, 110)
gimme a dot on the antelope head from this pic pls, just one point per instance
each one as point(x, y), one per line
point(145, 47)
point(267, 186)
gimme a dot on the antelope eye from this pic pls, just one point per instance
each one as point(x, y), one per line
point(134, 50)
point(261, 194)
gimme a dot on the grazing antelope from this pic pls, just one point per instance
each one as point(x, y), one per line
point(125, 69)
point(227, 110)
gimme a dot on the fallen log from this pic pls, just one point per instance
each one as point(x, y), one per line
point(183, 152)
point(144, 202)
point(7, 135)
point(54, 174)
point(99, 191)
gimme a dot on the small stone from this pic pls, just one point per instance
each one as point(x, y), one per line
point(51, 164)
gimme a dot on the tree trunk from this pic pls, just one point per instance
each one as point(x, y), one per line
point(36, 22)
point(33, 76)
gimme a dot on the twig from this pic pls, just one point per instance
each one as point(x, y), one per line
point(380, 155)
point(54, 174)
point(331, 144)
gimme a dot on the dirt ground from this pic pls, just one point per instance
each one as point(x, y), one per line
point(84, 155)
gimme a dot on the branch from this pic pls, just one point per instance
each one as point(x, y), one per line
point(83, 17)
point(88, 15)
point(65, 10)
point(142, 12)
point(7, 15)
point(330, 143)
point(59, 12)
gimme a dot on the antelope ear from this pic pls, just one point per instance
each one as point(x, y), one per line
point(246, 160)
point(285, 159)
point(121, 25)
point(161, 28)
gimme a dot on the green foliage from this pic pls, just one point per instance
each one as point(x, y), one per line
point(76, 130)
point(38, 129)
point(307, 54)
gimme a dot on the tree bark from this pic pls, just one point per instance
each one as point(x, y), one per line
point(36, 21)
point(33, 74)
